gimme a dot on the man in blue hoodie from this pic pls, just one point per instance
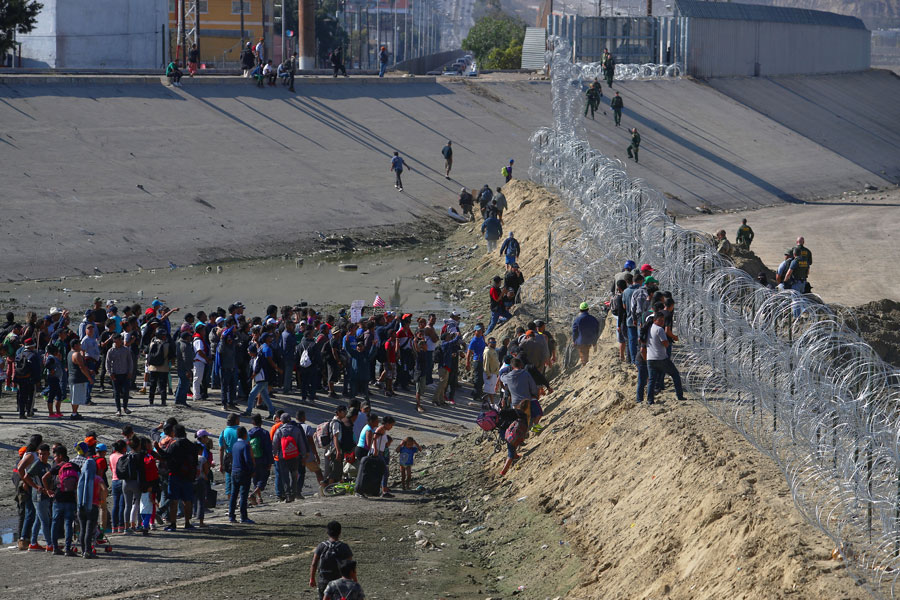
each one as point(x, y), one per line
point(492, 230)
point(585, 332)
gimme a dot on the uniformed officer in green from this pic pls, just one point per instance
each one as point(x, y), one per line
point(609, 68)
point(798, 271)
point(593, 98)
point(744, 235)
point(635, 144)
point(616, 104)
point(804, 251)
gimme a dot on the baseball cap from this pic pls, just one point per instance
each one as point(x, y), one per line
point(29, 342)
point(515, 265)
point(90, 440)
point(454, 313)
point(156, 303)
point(584, 306)
point(405, 316)
point(629, 264)
point(201, 433)
point(239, 304)
point(646, 267)
point(98, 299)
point(110, 303)
point(650, 279)
point(497, 278)
point(220, 320)
point(529, 332)
point(478, 328)
point(55, 311)
point(285, 418)
point(789, 252)
point(199, 324)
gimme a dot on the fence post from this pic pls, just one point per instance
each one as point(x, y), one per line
point(547, 277)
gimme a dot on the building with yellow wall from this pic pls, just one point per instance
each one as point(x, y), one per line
point(220, 27)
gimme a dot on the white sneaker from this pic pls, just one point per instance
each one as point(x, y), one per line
point(118, 413)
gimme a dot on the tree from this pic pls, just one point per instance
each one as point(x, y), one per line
point(16, 16)
point(329, 33)
point(505, 58)
point(496, 33)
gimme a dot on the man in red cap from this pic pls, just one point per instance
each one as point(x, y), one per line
point(646, 270)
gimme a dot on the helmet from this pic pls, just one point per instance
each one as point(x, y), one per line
point(629, 264)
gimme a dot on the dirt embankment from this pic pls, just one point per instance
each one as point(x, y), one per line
point(617, 500)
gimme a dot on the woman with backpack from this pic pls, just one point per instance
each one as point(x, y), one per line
point(130, 469)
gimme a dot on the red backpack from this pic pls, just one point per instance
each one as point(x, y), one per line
point(289, 448)
point(515, 433)
point(68, 477)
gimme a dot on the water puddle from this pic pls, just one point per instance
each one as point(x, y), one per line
point(398, 276)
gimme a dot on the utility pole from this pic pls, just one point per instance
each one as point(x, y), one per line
point(283, 39)
point(394, 30)
point(242, 26)
point(197, 27)
point(183, 31)
point(306, 25)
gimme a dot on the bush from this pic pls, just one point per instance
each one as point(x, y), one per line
point(496, 40)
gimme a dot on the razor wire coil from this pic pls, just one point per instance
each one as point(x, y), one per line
point(780, 368)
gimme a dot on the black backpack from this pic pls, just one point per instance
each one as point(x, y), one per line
point(23, 366)
point(329, 563)
point(156, 354)
point(130, 467)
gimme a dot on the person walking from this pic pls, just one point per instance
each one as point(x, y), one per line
point(27, 376)
point(635, 144)
point(744, 235)
point(507, 171)
point(158, 366)
point(337, 62)
point(585, 332)
point(327, 559)
point(289, 444)
point(593, 98)
point(511, 249)
point(617, 105)
point(492, 230)
point(609, 68)
point(397, 165)
point(447, 151)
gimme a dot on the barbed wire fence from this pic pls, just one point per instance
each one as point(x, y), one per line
point(779, 367)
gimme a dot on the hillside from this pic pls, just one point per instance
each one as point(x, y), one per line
point(619, 501)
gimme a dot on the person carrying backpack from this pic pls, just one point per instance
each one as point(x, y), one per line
point(261, 449)
point(617, 308)
point(181, 458)
point(62, 481)
point(347, 587)
point(158, 365)
point(289, 444)
point(327, 559)
point(506, 171)
point(27, 375)
point(241, 476)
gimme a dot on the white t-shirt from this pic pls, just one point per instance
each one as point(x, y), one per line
point(198, 348)
point(655, 339)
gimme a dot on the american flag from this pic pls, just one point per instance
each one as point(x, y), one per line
point(379, 303)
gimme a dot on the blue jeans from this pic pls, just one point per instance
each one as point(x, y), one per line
point(30, 518)
point(632, 342)
point(118, 513)
point(260, 389)
point(495, 319)
point(43, 507)
point(242, 486)
point(658, 369)
point(382, 69)
point(63, 515)
point(229, 386)
point(184, 386)
point(278, 481)
point(642, 379)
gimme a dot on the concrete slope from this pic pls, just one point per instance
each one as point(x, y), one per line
point(121, 175)
point(701, 147)
point(856, 115)
point(118, 175)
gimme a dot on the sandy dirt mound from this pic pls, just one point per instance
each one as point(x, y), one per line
point(879, 324)
point(657, 502)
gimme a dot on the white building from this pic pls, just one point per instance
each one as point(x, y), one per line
point(97, 34)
